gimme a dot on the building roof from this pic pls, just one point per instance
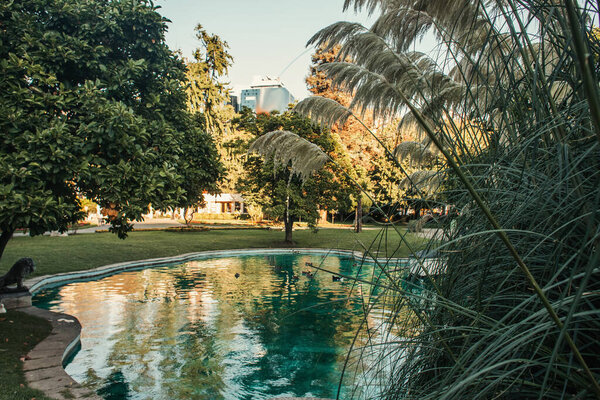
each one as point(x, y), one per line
point(266, 81)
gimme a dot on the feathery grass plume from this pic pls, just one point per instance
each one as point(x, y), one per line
point(286, 148)
point(329, 113)
point(511, 305)
point(402, 26)
point(426, 181)
point(417, 152)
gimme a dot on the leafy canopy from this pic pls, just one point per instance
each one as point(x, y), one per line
point(268, 185)
point(93, 104)
point(207, 95)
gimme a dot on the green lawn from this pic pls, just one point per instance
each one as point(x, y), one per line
point(19, 333)
point(83, 251)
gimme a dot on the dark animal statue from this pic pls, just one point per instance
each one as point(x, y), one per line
point(17, 272)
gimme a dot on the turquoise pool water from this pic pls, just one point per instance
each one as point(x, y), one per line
point(196, 331)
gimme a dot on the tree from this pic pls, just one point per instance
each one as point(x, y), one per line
point(283, 149)
point(93, 105)
point(277, 189)
point(356, 135)
point(202, 170)
point(360, 146)
point(208, 99)
point(206, 94)
point(354, 144)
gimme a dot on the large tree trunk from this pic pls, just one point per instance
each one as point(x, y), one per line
point(288, 229)
point(358, 216)
point(322, 216)
point(4, 238)
point(287, 219)
point(188, 215)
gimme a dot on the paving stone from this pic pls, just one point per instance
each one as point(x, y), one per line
point(43, 362)
point(16, 300)
point(52, 343)
point(55, 372)
point(40, 354)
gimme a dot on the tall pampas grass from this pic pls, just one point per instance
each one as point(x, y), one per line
point(286, 148)
point(510, 306)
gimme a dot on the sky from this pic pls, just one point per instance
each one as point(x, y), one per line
point(264, 36)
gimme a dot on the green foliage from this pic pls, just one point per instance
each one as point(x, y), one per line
point(201, 167)
point(385, 181)
point(206, 94)
point(232, 148)
point(92, 104)
point(270, 186)
point(207, 99)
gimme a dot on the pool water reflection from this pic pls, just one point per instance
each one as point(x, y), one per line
point(195, 331)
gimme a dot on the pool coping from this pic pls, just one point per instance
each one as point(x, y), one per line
point(38, 283)
point(43, 366)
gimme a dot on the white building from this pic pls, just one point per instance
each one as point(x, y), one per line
point(226, 203)
point(266, 95)
point(223, 203)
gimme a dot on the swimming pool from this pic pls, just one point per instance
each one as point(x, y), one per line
point(243, 327)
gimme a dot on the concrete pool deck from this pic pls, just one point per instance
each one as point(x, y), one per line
point(43, 366)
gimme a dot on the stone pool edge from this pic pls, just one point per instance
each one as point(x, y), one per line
point(43, 366)
point(38, 283)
